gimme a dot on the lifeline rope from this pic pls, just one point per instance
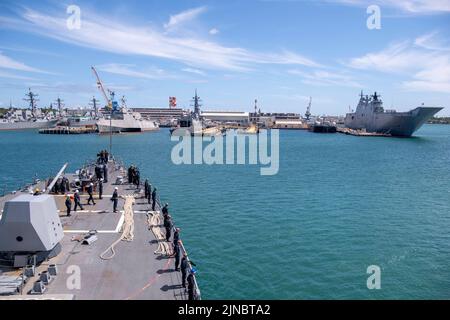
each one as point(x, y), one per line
point(154, 220)
point(127, 228)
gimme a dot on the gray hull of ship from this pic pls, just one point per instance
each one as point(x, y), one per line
point(402, 124)
point(24, 125)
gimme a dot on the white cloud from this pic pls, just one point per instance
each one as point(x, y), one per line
point(427, 68)
point(183, 17)
point(427, 86)
point(286, 57)
point(213, 31)
point(117, 37)
point(195, 81)
point(129, 71)
point(62, 87)
point(416, 7)
point(9, 63)
point(431, 41)
point(299, 98)
point(326, 78)
point(420, 6)
point(395, 58)
point(8, 75)
point(192, 70)
point(75, 88)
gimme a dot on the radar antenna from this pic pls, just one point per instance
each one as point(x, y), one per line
point(93, 103)
point(31, 98)
point(197, 104)
point(60, 104)
point(308, 109)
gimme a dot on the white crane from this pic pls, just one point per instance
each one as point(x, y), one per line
point(109, 103)
point(102, 89)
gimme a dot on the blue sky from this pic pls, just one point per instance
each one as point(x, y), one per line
point(278, 51)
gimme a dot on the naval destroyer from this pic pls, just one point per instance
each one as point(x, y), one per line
point(125, 120)
point(27, 119)
point(371, 116)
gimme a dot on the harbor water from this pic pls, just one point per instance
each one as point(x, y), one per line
point(338, 205)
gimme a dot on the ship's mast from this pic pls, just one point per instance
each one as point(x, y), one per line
point(256, 112)
point(308, 109)
point(32, 99)
point(93, 103)
point(124, 102)
point(60, 104)
point(197, 105)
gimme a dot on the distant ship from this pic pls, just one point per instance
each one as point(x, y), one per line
point(11, 124)
point(192, 124)
point(81, 121)
point(88, 119)
point(125, 120)
point(27, 119)
point(118, 120)
point(371, 116)
point(187, 125)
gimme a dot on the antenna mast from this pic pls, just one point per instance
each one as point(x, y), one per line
point(124, 102)
point(256, 111)
point(60, 105)
point(308, 109)
point(197, 105)
point(31, 98)
point(93, 103)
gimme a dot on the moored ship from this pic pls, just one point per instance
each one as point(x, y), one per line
point(27, 119)
point(118, 120)
point(125, 120)
point(11, 124)
point(371, 116)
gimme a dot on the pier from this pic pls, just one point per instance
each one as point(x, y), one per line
point(68, 130)
point(119, 256)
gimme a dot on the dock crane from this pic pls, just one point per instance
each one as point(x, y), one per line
point(110, 105)
point(102, 90)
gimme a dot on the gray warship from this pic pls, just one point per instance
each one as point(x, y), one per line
point(371, 116)
point(92, 254)
point(33, 118)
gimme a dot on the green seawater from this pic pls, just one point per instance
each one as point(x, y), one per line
point(338, 205)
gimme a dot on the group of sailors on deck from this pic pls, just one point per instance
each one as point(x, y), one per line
point(187, 273)
point(90, 183)
point(182, 263)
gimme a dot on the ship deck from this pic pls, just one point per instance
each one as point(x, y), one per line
point(135, 272)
